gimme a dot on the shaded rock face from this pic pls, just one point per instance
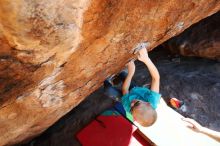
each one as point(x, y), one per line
point(193, 80)
point(63, 132)
point(201, 39)
point(54, 53)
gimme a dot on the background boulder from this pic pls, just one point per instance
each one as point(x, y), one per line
point(201, 39)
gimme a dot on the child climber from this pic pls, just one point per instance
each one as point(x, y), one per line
point(139, 102)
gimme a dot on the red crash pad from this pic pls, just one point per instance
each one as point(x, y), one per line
point(110, 131)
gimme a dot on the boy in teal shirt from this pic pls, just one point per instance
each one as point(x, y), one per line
point(139, 103)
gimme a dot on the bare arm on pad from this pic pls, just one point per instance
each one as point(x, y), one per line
point(195, 126)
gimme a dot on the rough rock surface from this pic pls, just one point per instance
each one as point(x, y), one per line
point(196, 82)
point(63, 132)
point(201, 39)
point(56, 52)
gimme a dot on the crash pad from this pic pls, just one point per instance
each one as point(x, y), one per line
point(170, 130)
point(111, 131)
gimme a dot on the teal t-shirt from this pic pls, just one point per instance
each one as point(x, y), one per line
point(140, 93)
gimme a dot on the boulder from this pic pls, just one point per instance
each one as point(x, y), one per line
point(201, 39)
point(193, 80)
point(56, 52)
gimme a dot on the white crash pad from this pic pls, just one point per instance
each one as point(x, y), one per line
point(170, 130)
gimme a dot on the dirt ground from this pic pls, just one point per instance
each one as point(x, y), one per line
point(196, 81)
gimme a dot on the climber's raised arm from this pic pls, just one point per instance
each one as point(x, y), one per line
point(127, 82)
point(155, 82)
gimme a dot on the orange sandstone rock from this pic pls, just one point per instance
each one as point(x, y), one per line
point(56, 52)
